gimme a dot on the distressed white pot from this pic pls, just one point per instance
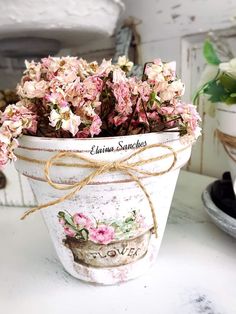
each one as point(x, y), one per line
point(110, 198)
point(226, 123)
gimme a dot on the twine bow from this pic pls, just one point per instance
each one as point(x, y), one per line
point(124, 165)
point(227, 141)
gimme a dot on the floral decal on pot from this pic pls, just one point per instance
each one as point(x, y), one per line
point(84, 228)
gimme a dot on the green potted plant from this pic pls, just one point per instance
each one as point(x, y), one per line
point(219, 87)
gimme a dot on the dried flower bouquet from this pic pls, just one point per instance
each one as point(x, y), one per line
point(69, 97)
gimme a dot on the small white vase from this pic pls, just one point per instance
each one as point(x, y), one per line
point(226, 123)
point(111, 198)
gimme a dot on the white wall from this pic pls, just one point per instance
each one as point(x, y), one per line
point(162, 23)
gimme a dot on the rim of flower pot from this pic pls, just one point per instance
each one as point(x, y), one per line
point(42, 138)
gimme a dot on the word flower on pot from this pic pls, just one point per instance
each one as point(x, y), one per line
point(102, 151)
point(221, 92)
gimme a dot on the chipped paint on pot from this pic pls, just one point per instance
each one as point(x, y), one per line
point(109, 199)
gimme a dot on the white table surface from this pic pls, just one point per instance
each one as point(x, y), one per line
point(195, 271)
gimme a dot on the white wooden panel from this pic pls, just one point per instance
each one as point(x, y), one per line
point(161, 20)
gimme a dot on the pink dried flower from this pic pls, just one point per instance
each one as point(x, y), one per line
point(191, 118)
point(18, 117)
point(3, 155)
point(104, 69)
point(80, 99)
point(92, 87)
point(166, 110)
point(160, 86)
point(95, 127)
point(119, 76)
point(33, 70)
point(154, 116)
point(124, 62)
point(122, 94)
point(13, 145)
point(144, 90)
point(7, 146)
point(5, 135)
point(63, 117)
point(54, 98)
point(33, 89)
point(154, 71)
point(51, 64)
point(103, 234)
point(83, 134)
point(118, 120)
point(169, 70)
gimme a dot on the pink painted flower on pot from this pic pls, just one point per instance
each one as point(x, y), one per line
point(102, 234)
point(69, 232)
point(62, 221)
point(82, 221)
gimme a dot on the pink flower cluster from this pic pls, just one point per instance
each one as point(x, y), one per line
point(69, 97)
point(13, 122)
point(83, 228)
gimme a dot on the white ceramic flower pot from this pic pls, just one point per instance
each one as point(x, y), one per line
point(226, 118)
point(112, 200)
point(226, 123)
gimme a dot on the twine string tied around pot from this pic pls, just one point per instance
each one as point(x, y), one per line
point(125, 165)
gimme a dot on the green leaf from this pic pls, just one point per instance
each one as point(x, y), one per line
point(216, 91)
point(153, 96)
point(84, 234)
point(233, 95)
point(230, 100)
point(203, 88)
point(69, 220)
point(210, 53)
point(228, 82)
point(61, 215)
point(129, 219)
point(58, 125)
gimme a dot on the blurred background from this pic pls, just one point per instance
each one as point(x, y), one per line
point(97, 29)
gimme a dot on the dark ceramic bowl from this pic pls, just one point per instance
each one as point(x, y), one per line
point(222, 220)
